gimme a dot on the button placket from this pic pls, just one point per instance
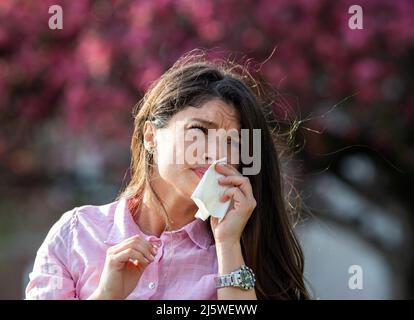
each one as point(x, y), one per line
point(168, 244)
point(151, 282)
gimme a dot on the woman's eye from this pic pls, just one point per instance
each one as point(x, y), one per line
point(199, 128)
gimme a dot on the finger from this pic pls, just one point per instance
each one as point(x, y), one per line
point(137, 243)
point(148, 251)
point(120, 258)
point(135, 264)
point(234, 193)
point(124, 244)
point(139, 240)
point(239, 181)
point(227, 169)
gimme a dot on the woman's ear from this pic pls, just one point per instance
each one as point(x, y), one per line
point(149, 135)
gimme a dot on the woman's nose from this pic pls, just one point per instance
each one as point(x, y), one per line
point(213, 153)
point(208, 159)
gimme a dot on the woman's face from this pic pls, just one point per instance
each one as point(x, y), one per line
point(186, 147)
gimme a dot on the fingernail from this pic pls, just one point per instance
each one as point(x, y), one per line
point(154, 250)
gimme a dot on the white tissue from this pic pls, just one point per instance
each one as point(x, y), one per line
point(207, 195)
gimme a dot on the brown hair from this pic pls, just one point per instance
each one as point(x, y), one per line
point(268, 242)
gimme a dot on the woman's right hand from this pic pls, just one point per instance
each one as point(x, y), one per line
point(124, 265)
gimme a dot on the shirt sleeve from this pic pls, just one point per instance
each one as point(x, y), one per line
point(51, 277)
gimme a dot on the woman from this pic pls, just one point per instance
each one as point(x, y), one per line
point(147, 244)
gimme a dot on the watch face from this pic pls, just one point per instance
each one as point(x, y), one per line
point(247, 278)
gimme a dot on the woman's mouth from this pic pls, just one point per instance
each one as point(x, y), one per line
point(199, 171)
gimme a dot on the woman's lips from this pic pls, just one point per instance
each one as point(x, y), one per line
point(199, 171)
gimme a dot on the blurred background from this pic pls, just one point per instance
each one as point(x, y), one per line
point(66, 98)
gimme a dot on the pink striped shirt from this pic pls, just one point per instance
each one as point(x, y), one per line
point(69, 262)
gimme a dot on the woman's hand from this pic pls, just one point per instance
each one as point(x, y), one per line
point(124, 265)
point(230, 229)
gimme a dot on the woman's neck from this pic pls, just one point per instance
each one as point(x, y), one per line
point(151, 216)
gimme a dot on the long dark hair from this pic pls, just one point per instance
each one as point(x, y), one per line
point(269, 245)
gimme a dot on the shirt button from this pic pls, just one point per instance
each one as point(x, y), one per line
point(151, 285)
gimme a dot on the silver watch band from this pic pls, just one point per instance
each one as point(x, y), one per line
point(235, 279)
point(226, 280)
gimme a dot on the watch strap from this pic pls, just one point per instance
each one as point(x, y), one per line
point(233, 279)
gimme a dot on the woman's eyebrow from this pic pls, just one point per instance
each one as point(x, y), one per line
point(208, 123)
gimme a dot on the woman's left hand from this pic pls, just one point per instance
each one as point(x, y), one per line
point(230, 229)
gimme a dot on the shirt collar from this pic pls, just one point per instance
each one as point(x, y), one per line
point(124, 227)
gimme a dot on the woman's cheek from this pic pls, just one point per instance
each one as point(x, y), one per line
point(190, 153)
point(184, 180)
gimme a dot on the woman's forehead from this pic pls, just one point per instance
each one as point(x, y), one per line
point(217, 112)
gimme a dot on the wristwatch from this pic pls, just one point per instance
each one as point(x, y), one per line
point(243, 278)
